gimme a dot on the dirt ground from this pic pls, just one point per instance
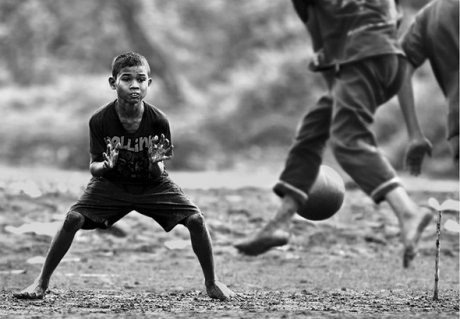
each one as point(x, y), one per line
point(349, 266)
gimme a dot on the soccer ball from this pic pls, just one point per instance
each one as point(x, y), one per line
point(325, 197)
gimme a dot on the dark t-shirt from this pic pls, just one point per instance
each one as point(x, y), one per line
point(133, 164)
point(434, 36)
point(350, 30)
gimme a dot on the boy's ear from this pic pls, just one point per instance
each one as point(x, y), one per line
point(112, 82)
point(150, 81)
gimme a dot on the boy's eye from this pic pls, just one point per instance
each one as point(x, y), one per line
point(141, 79)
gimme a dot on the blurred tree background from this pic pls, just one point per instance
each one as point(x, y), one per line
point(231, 75)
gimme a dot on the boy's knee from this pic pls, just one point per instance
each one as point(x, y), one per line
point(346, 154)
point(73, 221)
point(195, 222)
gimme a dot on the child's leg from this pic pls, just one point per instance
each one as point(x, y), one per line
point(201, 243)
point(167, 204)
point(300, 171)
point(359, 90)
point(59, 247)
point(412, 221)
point(274, 233)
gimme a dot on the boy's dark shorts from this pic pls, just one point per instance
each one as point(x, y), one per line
point(103, 203)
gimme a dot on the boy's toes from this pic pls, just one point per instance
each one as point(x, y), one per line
point(28, 295)
point(32, 292)
point(219, 291)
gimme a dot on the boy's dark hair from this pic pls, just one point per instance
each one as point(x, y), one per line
point(127, 60)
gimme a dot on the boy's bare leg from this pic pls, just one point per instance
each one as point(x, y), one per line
point(412, 220)
point(59, 247)
point(274, 233)
point(201, 244)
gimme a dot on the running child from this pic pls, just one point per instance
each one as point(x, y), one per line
point(359, 46)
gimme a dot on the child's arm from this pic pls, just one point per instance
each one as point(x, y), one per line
point(419, 145)
point(160, 150)
point(100, 165)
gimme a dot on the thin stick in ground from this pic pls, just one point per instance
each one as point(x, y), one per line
point(438, 250)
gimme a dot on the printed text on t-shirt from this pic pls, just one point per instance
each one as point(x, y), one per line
point(137, 144)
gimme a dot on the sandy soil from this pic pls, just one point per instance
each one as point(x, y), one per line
point(346, 267)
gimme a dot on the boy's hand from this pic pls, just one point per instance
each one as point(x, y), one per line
point(158, 149)
point(111, 156)
point(416, 151)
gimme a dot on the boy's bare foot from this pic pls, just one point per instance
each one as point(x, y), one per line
point(34, 291)
point(219, 291)
point(413, 228)
point(270, 236)
point(274, 233)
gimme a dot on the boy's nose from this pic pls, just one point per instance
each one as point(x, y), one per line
point(134, 84)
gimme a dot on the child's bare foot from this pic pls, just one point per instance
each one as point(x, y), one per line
point(270, 236)
point(219, 291)
point(414, 225)
point(34, 291)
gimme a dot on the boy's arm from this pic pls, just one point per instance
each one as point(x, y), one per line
point(96, 167)
point(161, 149)
point(419, 145)
point(399, 14)
point(101, 164)
point(103, 153)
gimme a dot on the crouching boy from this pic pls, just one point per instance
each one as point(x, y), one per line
point(129, 140)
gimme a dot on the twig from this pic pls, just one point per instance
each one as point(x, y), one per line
point(436, 267)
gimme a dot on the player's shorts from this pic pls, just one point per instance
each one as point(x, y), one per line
point(103, 203)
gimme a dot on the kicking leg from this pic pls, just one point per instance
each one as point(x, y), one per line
point(59, 247)
point(412, 221)
point(201, 244)
point(359, 91)
point(274, 233)
point(300, 171)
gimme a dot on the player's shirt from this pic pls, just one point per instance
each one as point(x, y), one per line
point(350, 30)
point(132, 166)
point(434, 36)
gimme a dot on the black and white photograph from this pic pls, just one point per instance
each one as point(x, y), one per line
point(229, 159)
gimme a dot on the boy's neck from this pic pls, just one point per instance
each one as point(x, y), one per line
point(126, 110)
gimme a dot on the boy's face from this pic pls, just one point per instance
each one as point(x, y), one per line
point(131, 84)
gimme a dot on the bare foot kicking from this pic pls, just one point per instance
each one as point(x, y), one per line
point(219, 291)
point(263, 241)
point(34, 291)
point(414, 227)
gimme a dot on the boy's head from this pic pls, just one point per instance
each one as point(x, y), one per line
point(130, 77)
point(127, 60)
